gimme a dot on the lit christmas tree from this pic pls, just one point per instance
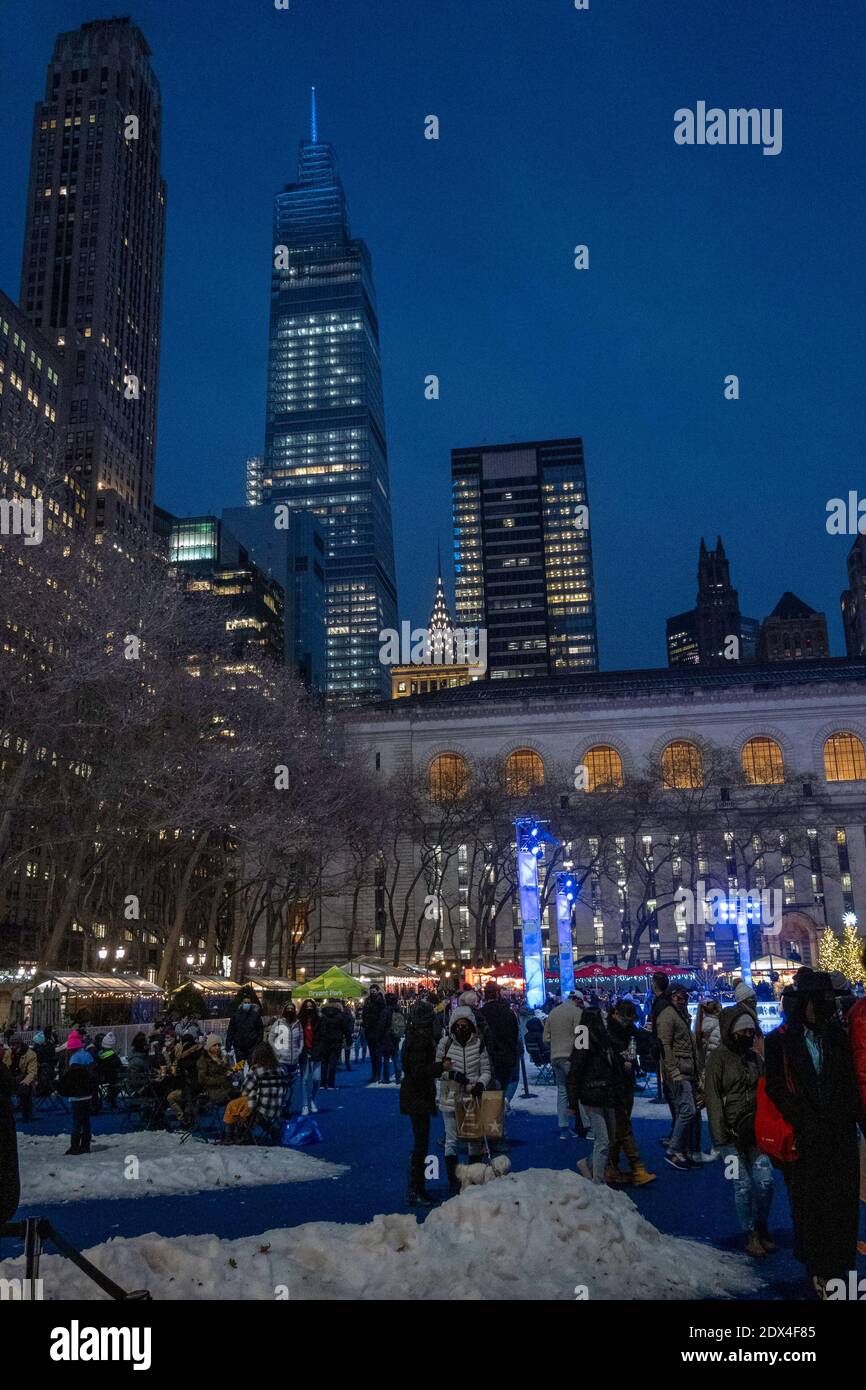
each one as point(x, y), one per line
point(851, 955)
point(829, 951)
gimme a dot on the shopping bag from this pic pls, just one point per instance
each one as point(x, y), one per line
point(493, 1114)
point(296, 1134)
point(467, 1113)
point(773, 1134)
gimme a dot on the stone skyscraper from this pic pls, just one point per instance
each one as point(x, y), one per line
point(325, 446)
point(91, 275)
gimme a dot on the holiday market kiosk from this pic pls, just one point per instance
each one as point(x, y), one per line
point(61, 997)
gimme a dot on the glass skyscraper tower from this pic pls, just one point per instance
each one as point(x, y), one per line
point(325, 444)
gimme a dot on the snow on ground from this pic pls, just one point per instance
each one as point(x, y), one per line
point(539, 1234)
point(153, 1163)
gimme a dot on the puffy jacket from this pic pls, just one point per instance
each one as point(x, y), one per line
point(596, 1075)
point(246, 1028)
point(559, 1028)
point(674, 1033)
point(333, 1029)
point(502, 1036)
point(28, 1067)
point(76, 1082)
point(855, 1021)
point(472, 1061)
point(109, 1066)
point(418, 1087)
point(731, 1083)
point(287, 1040)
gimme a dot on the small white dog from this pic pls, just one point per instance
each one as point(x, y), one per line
point(472, 1174)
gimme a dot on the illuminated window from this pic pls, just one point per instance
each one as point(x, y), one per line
point(762, 762)
point(524, 772)
point(603, 767)
point(844, 759)
point(447, 776)
point(681, 765)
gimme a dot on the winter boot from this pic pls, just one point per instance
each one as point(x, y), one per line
point(766, 1240)
point(615, 1176)
point(641, 1175)
point(417, 1195)
point(451, 1170)
point(754, 1246)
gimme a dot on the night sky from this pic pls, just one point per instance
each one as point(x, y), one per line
point(556, 129)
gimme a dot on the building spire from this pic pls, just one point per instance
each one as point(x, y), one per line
point(314, 124)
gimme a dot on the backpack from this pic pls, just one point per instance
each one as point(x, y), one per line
point(398, 1024)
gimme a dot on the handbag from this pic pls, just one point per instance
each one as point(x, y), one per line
point(773, 1134)
point(481, 1119)
point(467, 1113)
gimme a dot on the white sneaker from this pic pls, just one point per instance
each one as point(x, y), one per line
point(708, 1157)
point(696, 1157)
point(314, 1107)
point(305, 1110)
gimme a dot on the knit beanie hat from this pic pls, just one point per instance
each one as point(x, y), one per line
point(744, 992)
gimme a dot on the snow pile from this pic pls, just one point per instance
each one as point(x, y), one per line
point(539, 1234)
point(150, 1163)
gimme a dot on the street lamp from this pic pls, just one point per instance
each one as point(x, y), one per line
point(102, 953)
point(120, 952)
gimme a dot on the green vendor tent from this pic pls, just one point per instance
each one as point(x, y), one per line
point(334, 984)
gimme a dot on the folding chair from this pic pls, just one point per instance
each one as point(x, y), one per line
point(539, 1055)
point(50, 1100)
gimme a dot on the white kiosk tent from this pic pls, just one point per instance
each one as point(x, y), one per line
point(56, 997)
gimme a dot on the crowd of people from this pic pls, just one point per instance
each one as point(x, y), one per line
point(804, 1084)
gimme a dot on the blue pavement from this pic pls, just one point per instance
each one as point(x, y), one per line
point(363, 1129)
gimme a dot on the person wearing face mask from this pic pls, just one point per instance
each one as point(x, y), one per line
point(731, 1083)
point(464, 1066)
point(810, 1079)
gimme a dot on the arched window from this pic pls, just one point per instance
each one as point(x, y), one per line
point(844, 758)
point(447, 777)
point(524, 772)
point(603, 767)
point(682, 765)
point(762, 762)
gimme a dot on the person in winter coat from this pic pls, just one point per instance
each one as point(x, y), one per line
point(418, 1095)
point(109, 1068)
point(855, 1023)
point(246, 1030)
point(463, 1063)
point(746, 996)
point(310, 1061)
point(10, 1184)
point(558, 1034)
point(502, 1035)
point(680, 1068)
point(360, 1048)
point(394, 1039)
point(45, 1047)
point(596, 1084)
point(810, 1078)
point(287, 1039)
point(140, 1065)
point(187, 1054)
point(376, 1019)
point(348, 1034)
point(622, 1031)
point(213, 1072)
point(76, 1085)
point(731, 1083)
point(332, 1039)
point(708, 1032)
point(25, 1076)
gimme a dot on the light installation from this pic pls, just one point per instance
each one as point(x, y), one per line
point(566, 891)
point(531, 835)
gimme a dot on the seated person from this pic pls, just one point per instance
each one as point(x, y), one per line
point(109, 1068)
point(262, 1095)
point(214, 1072)
point(186, 1056)
point(140, 1065)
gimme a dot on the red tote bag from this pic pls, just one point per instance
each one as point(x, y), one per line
point(773, 1134)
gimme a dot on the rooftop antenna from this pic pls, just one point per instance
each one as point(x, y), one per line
point(314, 125)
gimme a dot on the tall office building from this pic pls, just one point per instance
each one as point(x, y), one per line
point(854, 600)
point(793, 632)
point(325, 444)
point(701, 636)
point(91, 276)
point(523, 556)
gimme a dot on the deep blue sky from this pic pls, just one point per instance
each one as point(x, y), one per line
point(556, 128)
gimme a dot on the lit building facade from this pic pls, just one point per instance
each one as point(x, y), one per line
point(92, 268)
point(325, 447)
point(523, 556)
point(793, 632)
point(702, 635)
point(854, 600)
point(442, 672)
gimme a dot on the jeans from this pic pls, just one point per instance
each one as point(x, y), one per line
point(476, 1146)
point(393, 1054)
point(753, 1187)
point(560, 1070)
point(80, 1110)
point(360, 1046)
point(686, 1133)
point(289, 1075)
point(603, 1124)
point(311, 1075)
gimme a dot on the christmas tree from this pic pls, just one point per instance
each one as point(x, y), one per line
point(851, 955)
point(829, 951)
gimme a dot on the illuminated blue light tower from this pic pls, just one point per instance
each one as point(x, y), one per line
point(566, 892)
point(530, 837)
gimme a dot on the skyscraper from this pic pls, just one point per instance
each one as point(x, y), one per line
point(523, 555)
point(325, 446)
point(702, 635)
point(91, 276)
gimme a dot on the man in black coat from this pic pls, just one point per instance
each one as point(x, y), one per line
point(376, 1018)
point(246, 1029)
point(810, 1078)
point(418, 1095)
point(501, 1033)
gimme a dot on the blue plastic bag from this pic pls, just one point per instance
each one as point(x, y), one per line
point(300, 1132)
